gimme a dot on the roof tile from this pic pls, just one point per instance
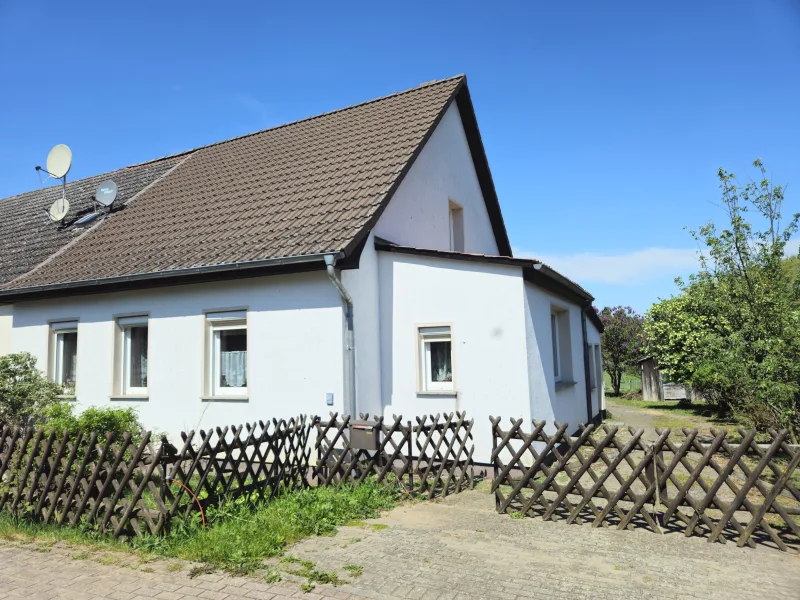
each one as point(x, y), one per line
point(303, 188)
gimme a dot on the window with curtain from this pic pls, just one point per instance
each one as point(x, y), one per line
point(436, 358)
point(132, 357)
point(136, 360)
point(67, 360)
point(65, 354)
point(228, 353)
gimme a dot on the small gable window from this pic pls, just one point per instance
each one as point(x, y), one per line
point(456, 227)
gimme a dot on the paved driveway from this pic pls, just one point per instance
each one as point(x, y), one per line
point(63, 573)
point(461, 548)
point(456, 548)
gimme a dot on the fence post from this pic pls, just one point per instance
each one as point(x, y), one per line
point(494, 468)
point(410, 459)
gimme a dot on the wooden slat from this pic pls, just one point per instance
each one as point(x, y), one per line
point(553, 457)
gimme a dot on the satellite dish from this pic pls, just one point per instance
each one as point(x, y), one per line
point(106, 193)
point(59, 210)
point(59, 161)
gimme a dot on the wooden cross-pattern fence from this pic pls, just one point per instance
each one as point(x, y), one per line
point(133, 486)
point(127, 486)
point(609, 475)
point(70, 479)
point(431, 457)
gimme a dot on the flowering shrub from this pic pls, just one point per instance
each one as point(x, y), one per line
point(623, 341)
point(25, 392)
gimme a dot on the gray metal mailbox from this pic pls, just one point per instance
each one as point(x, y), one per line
point(363, 435)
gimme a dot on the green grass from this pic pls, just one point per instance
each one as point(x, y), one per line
point(675, 408)
point(240, 535)
point(630, 383)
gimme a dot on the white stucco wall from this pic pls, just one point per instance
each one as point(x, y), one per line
point(418, 213)
point(567, 404)
point(295, 337)
point(363, 286)
point(6, 319)
point(483, 304)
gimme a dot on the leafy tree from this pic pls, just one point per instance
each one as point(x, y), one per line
point(623, 341)
point(25, 392)
point(733, 333)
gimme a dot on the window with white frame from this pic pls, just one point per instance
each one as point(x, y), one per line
point(133, 354)
point(456, 227)
point(436, 358)
point(592, 367)
point(65, 354)
point(556, 349)
point(227, 353)
point(562, 345)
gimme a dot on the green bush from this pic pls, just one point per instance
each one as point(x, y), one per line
point(100, 420)
point(25, 392)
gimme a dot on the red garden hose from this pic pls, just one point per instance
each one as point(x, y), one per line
point(202, 514)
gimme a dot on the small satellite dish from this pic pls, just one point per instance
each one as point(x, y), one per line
point(59, 210)
point(59, 161)
point(88, 218)
point(106, 193)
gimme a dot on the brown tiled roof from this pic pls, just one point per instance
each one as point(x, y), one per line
point(308, 187)
point(28, 237)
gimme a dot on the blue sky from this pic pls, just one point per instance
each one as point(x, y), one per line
point(604, 123)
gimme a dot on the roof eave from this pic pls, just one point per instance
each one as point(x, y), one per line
point(533, 271)
point(470, 123)
point(169, 277)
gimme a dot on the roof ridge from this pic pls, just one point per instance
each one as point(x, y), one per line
point(252, 133)
point(304, 119)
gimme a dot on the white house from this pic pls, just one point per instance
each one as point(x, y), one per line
point(356, 261)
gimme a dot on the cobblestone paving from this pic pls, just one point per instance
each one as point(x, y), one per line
point(453, 549)
point(460, 548)
point(68, 574)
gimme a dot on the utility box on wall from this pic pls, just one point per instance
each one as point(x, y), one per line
point(363, 435)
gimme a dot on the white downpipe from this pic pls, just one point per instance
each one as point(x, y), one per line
point(350, 344)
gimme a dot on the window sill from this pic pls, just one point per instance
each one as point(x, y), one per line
point(132, 397)
point(452, 393)
point(224, 398)
point(72, 397)
point(562, 385)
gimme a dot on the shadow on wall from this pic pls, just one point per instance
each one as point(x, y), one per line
point(386, 339)
point(263, 294)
